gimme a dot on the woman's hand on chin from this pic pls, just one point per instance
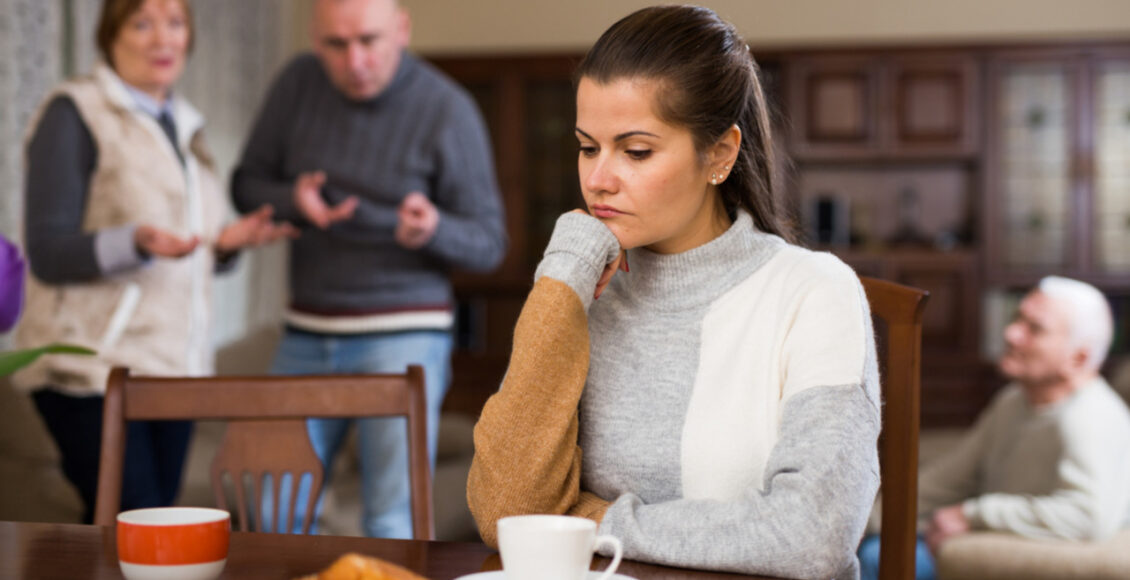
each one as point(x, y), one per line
point(620, 263)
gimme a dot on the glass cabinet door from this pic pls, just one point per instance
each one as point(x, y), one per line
point(1111, 218)
point(1035, 133)
point(552, 187)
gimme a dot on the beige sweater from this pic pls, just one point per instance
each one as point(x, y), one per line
point(1056, 472)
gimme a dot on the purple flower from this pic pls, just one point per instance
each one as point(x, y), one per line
point(11, 284)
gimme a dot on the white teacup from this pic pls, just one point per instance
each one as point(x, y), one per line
point(542, 547)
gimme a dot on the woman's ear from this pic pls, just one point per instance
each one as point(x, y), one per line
point(724, 152)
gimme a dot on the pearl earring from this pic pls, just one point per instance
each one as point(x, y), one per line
point(714, 178)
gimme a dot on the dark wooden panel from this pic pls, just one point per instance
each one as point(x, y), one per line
point(929, 106)
point(839, 108)
point(831, 106)
point(952, 321)
point(935, 105)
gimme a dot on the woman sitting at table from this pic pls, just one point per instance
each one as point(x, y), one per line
point(721, 381)
point(124, 230)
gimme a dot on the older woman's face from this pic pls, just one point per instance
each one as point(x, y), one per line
point(150, 49)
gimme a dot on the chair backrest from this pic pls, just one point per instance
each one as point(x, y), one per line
point(897, 313)
point(266, 433)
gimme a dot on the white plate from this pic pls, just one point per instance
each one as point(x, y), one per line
point(497, 575)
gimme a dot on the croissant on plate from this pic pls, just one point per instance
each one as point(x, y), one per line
point(357, 567)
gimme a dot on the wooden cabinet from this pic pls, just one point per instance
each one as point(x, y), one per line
point(1058, 179)
point(951, 381)
point(885, 106)
point(892, 140)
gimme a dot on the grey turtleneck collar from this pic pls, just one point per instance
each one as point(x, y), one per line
point(581, 245)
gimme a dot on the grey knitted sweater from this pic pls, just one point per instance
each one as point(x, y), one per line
point(721, 411)
point(423, 133)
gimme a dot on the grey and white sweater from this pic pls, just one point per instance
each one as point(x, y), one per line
point(726, 401)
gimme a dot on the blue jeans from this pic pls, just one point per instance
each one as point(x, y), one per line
point(869, 560)
point(385, 487)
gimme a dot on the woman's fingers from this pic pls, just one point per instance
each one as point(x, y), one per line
point(609, 271)
point(157, 242)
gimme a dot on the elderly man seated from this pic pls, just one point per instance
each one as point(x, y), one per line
point(1050, 457)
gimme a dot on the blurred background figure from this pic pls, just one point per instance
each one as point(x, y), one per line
point(386, 165)
point(124, 222)
point(1050, 456)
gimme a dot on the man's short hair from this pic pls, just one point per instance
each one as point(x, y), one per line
point(1092, 325)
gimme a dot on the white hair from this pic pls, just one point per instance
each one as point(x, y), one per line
point(1092, 325)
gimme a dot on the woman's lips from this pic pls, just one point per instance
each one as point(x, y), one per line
point(605, 211)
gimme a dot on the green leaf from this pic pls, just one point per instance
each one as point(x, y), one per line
point(11, 362)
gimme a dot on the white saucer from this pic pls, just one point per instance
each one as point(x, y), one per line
point(497, 575)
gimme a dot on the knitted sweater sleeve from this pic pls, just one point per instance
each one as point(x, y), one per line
point(260, 178)
point(471, 233)
point(955, 476)
point(1088, 502)
point(526, 454)
point(61, 158)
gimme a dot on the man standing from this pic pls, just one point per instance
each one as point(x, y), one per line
point(1050, 456)
point(386, 165)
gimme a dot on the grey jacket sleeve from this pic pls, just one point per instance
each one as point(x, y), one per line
point(259, 178)
point(61, 157)
point(472, 229)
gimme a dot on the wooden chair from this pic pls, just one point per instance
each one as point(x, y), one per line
point(897, 314)
point(266, 433)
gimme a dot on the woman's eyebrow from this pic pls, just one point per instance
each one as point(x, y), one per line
point(619, 137)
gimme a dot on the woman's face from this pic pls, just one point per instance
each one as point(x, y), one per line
point(642, 176)
point(150, 49)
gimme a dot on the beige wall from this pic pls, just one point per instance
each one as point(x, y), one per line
point(455, 26)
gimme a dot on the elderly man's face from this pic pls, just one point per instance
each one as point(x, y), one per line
point(359, 43)
point(1038, 343)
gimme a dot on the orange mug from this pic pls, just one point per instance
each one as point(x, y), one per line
point(173, 543)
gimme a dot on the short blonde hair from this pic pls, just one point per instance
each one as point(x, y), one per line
point(1092, 325)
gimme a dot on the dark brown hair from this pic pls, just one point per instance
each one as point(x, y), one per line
point(115, 13)
point(708, 82)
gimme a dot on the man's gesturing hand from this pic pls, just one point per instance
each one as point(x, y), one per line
point(416, 222)
point(308, 198)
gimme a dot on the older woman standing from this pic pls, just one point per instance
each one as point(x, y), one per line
point(124, 230)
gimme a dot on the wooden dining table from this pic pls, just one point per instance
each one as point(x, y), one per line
point(39, 551)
